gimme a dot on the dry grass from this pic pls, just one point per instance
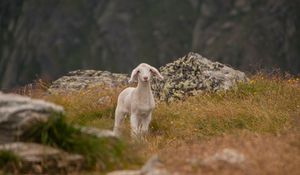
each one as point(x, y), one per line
point(261, 113)
point(264, 154)
point(94, 106)
point(263, 105)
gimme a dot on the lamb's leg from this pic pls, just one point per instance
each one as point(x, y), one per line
point(135, 126)
point(145, 124)
point(119, 118)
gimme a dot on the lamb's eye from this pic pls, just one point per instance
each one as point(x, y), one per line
point(138, 71)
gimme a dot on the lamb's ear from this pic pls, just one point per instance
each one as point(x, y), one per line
point(156, 72)
point(133, 75)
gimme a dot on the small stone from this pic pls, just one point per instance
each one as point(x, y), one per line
point(227, 155)
point(96, 132)
point(152, 167)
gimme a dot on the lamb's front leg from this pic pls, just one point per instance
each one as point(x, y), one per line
point(145, 124)
point(119, 118)
point(135, 125)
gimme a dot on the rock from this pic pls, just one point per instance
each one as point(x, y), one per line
point(82, 79)
point(19, 114)
point(192, 74)
point(152, 167)
point(96, 132)
point(227, 155)
point(40, 159)
point(125, 172)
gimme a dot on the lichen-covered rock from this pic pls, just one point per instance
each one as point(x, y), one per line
point(40, 159)
point(82, 79)
point(19, 114)
point(192, 74)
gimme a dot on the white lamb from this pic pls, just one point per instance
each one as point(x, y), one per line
point(138, 102)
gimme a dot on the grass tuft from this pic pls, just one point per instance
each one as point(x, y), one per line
point(8, 160)
point(104, 153)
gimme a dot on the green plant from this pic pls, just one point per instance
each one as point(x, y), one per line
point(8, 160)
point(106, 153)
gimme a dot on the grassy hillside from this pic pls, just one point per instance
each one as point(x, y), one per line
point(260, 119)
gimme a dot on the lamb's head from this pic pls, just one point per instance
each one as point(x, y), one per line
point(144, 73)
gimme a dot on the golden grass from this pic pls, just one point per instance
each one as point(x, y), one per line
point(260, 106)
point(265, 105)
point(93, 106)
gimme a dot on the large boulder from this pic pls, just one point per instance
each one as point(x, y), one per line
point(19, 114)
point(82, 79)
point(31, 158)
point(192, 74)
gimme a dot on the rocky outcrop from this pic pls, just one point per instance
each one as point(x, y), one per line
point(184, 77)
point(152, 167)
point(82, 79)
point(19, 114)
point(39, 159)
point(192, 74)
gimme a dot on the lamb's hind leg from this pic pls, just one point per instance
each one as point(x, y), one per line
point(119, 118)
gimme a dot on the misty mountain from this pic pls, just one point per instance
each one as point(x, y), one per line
point(46, 39)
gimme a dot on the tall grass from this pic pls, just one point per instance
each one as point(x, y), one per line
point(261, 106)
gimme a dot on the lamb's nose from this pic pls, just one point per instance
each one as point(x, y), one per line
point(145, 78)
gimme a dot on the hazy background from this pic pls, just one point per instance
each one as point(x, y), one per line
point(46, 39)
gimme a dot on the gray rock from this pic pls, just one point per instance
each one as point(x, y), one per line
point(192, 74)
point(125, 172)
point(82, 79)
point(19, 114)
point(152, 167)
point(227, 155)
point(39, 159)
point(96, 132)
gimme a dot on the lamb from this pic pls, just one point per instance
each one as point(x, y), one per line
point(138, 102)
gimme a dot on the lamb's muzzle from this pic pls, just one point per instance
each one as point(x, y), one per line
point(138, 102)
